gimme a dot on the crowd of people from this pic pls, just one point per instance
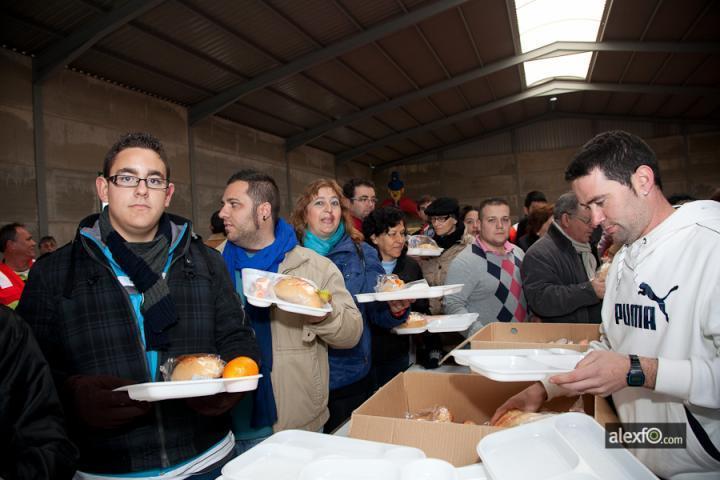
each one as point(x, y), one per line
point(137, 286)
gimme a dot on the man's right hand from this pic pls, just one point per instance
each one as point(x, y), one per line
point(599, 286)
point(529, 400)
point(94, 403)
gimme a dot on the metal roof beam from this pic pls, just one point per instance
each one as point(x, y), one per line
point(424, 157)
point(68, 49)
point(554, 87)
point(223, 99)
point(552, 50)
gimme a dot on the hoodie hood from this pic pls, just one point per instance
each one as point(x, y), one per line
point(704, 213)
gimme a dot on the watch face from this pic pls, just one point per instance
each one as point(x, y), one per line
point(636, 379)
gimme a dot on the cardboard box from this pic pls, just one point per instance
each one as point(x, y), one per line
point(534, 335)
point(468, 397)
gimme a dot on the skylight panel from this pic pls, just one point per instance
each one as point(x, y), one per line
point(541, 22)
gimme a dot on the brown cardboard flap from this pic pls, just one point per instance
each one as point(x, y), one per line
point(382, 418)
point(534, 335)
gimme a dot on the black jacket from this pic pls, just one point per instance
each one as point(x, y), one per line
point(33, 439)
point(85, 325)
point(385, 344)
point(555, 282)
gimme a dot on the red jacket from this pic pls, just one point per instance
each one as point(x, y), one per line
point(11, 286)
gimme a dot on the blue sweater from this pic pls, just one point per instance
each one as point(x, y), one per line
point(350, 365)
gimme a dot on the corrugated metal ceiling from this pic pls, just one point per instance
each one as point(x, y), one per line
point(189, 51)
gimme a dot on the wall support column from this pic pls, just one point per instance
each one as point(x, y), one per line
point(39, 147)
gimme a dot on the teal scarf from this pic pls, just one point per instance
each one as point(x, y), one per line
point(323, 246)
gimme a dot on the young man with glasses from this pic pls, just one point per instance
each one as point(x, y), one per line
point(360, 199)
point(558, 271)
point(135, 288)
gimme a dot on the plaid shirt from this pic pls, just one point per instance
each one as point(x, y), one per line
point(85, 325)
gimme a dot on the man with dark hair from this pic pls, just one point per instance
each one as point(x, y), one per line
point(360, 199)
point(658, 353)
point(47, 244)
point(489, 268)
point(134, 289)
point(18, 249)
point(558, 271)
point(33, 438)
point(293, 392)
point(532, 200)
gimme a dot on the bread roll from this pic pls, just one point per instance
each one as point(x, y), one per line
point(415, 320)
point(298, 291)
point(391, 284)
point(515, 417)
point(197, 367)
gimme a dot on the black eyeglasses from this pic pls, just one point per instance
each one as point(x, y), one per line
point(131, 181)
point(364, 199)
point(440, 218)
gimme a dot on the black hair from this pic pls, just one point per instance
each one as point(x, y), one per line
point(349, 187)
point(534, 196)
point(47, 238)
point(135, 140)
point(216, 223)
point(617, 154)
point(9, 233)
point(464, 210)
point(491, 201)
point(381, 220)
point(261, 188)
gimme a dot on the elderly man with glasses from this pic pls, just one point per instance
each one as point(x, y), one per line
point(558, 271)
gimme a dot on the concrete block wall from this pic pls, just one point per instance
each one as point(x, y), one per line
point(84, 116)
point(688, 164)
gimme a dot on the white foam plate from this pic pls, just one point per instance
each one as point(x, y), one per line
point(441, 324)
point(516, 368)
point(463, 356)
point(411, 293)
point(425, 252)
point(562, 447)
point(475, 471)
point(250, 275)
point(296, 454)
point(155, 391)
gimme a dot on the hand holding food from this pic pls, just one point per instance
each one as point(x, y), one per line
point(299, 291)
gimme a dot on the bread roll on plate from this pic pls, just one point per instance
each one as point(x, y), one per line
point(197, 367)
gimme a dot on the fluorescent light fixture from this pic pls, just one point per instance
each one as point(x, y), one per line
point(541, 22)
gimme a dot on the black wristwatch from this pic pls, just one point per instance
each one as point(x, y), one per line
point(635, 376)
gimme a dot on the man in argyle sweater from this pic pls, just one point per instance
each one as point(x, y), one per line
point(489, 268)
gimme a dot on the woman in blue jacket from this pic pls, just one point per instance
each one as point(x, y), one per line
point(323, 224)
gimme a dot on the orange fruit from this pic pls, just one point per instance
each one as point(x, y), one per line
point(240, 367)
